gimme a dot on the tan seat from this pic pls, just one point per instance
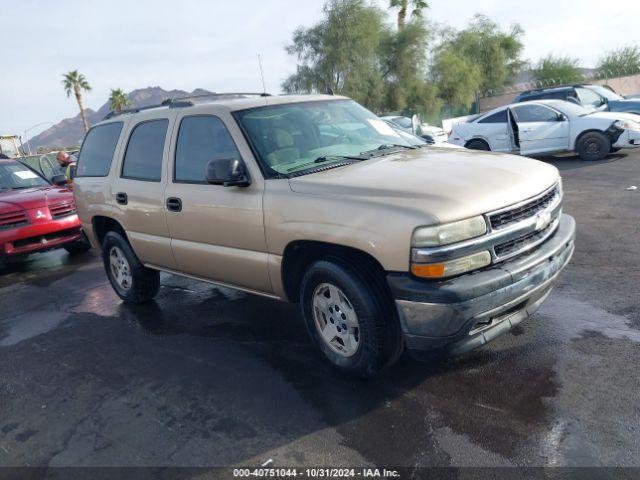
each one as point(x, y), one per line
point(285, 149)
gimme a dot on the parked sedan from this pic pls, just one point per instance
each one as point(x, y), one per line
point(36, 215)
point(430, 133)
point(549, 127)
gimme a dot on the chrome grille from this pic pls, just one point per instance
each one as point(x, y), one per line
point(523, 244)
point(63, 209)
point(523, 211)
point(12, 220)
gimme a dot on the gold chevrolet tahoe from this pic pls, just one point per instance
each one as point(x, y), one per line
point(387, 243)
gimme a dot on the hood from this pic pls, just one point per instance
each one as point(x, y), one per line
point(633, 96)
point(626, 105)
point(29, 199)
point(615, 116)
point(439, 183)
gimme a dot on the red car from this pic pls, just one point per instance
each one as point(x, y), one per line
point(36, 215)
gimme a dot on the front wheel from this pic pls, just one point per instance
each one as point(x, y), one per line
point(593, 146)
point(131, 280)
point(350, 318)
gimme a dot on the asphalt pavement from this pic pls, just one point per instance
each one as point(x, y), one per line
point(207, 376)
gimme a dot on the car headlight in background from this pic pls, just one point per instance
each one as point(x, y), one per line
point(449, 232)
point(627, 125)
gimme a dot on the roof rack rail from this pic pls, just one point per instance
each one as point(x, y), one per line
point(181, 102)
point(169, 101)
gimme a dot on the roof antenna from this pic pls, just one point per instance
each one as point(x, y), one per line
point(264, 87)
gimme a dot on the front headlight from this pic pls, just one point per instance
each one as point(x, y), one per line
point(450, 268)
point(627, 125)
point(449, 232)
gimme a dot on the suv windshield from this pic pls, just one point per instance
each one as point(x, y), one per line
point(605, 92)
point(295, 137)
point(14, 175)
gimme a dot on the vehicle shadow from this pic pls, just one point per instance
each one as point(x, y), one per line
point(574, 162)
point(42, 268)
point(472, 393)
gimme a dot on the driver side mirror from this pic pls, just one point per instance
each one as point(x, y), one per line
point(562, 117)
point(228, 172)
point(59, 180)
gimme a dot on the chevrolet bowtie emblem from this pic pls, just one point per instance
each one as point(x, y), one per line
point(543, 220)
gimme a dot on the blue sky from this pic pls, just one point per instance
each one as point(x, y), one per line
point(214, 44)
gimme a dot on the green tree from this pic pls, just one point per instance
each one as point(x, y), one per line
point(403, 6)
point(494, 51)
point(74, 82)
point(118, 100)
point(620, 62)
point(458, 79)
point(403, 59)
point(340, 53)
point(556, 70)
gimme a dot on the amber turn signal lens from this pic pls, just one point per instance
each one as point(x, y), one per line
point(451, 268)
point(432, 270)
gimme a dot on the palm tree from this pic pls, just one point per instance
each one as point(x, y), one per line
point(403, 5)
point(118, 100)
point(75, 82)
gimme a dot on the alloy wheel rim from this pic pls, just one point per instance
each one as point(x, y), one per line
point(593, 147)
point(336, 320)
point(120, 269)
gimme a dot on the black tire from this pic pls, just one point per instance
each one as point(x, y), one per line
point(79, 246)
point(380, 340)
point(145, 282)
point(593, 146)
point(478, 145)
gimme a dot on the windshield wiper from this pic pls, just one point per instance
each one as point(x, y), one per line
point(383, 149)
point(326, 158)
point(387, 146)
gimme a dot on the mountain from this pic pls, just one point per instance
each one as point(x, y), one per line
point(70, 132)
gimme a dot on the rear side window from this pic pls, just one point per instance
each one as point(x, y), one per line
point(97, 150)
point(498, 117)
point(201, 139)
point(143, 158)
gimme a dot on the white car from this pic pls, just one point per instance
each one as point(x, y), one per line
point(548, 127)
point(430, 133)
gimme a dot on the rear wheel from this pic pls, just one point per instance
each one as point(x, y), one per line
point(350, 319)
point(593, 146)
point(132, 281)
point(478, 145)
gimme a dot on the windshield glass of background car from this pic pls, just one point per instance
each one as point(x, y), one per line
point(14, 175)
point(571, 109)
point(8, 147)
point(589, 97)
point(608, 94)
point(404, 122)
point(288, 138)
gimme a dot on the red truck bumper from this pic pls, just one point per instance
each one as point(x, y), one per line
point(41, 236)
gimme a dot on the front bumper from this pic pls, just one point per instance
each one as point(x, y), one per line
point(44, 235)
point(628, 139)
point(466, 312)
